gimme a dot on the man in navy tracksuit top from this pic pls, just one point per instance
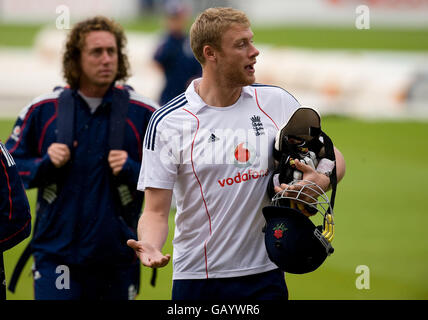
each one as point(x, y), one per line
point(174, 55)
point(86, 189)
point(15, 218)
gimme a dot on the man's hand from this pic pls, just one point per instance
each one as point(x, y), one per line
point(116, 160)
point(59, 154)
point(308, 174)
point(149, 255)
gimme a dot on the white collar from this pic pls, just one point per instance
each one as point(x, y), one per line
point(195, 101)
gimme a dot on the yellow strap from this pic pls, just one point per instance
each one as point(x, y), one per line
point(328, 228)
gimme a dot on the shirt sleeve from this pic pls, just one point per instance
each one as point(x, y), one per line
point(159, 164)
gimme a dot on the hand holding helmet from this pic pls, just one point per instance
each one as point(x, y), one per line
point(306, 169)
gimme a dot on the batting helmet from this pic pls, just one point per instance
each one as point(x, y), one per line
point(292, 240)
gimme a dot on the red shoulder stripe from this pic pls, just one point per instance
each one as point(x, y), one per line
point(27, 115)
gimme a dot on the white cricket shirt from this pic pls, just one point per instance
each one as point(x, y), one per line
point(217, 161)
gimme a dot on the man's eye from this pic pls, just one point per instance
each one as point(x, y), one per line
point(96, 52)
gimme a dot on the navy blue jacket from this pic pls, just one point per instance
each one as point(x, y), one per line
point(179, 64)
point(78, 207)
point(15, 218)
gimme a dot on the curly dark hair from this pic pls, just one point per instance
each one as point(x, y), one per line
point(76, 41)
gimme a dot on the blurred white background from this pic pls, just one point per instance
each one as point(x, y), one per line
point(352, 82)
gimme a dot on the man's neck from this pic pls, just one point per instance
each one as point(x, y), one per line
point(93, 91)
point(217, 95)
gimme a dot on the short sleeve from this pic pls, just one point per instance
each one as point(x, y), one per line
point(159, 165)
point(290, 104)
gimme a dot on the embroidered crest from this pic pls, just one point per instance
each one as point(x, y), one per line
point(257, 125)
point(279, 231)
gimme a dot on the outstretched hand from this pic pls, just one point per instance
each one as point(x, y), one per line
point(149, 255)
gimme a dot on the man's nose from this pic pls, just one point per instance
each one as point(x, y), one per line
point(106, 57)
point(254, 52)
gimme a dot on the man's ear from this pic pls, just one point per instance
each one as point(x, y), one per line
point(210, 53)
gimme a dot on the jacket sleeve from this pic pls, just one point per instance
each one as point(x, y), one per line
point(34, 168)
point(131, 169)
point(15, 217)
point(130, 172)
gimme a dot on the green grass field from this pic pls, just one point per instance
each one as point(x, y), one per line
point(380, 219)
point(305, 37)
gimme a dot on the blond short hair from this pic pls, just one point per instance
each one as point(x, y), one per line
point(209, 27)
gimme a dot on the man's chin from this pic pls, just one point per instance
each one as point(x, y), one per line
point(104, 82)
point(249, 81)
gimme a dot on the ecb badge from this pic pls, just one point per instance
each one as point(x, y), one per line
point(257, 125)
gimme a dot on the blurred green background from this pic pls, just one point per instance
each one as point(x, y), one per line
point(317, 37)
point(380, 211)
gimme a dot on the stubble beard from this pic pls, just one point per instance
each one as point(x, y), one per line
point(237, 79)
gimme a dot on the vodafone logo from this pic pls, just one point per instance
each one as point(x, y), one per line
point(244, 155)
point(246, 176)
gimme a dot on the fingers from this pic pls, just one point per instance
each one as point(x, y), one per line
point(301, 166)
point(116, 154)
point(116, 160)
point(289, 190)
point(133, 244)
point(311, 175)
point(280, 188)
point(293, 191)
point(156, 263)
point(59, 154)
point(308, 195)
point(148, 255)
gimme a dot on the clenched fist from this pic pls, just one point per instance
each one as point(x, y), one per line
point(116, 160)
point(59, 154)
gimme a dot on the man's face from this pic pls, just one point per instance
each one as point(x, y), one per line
point(99, 59)
point(237, 56)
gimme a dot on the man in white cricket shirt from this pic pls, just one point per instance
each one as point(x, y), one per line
point(212, 147)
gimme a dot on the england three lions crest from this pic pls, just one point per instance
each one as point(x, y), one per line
point(257, 125)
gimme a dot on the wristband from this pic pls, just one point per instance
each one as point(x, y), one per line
point(326, 166)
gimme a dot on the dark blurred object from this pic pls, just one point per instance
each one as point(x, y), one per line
point(15, 216)
point(147, 6)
